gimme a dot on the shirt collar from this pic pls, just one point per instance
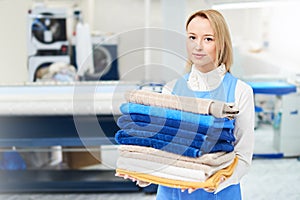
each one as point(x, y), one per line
point(200, 81)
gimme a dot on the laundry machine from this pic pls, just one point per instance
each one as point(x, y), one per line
point(105, 59)
point(47, 31)
point(47, 41)
point(36, 63)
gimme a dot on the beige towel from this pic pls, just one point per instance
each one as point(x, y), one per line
point(218, 109)
point(208, 170)
point(211, 159)
point(188, 104)
point(161, 170)
point(212, 182)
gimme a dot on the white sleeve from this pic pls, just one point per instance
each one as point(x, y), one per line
point(168, 88)
point(243, 132)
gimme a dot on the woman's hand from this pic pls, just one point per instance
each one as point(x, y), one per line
point(142, 183)
point(190, 190)
point(138, 182)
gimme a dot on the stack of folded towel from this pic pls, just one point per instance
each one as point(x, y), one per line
point(173, 141)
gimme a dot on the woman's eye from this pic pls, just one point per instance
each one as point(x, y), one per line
point(209, 39)
point(192, 37)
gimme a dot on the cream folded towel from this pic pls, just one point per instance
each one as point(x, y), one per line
point(189, 104)
point(211, 159)
point(165, 162)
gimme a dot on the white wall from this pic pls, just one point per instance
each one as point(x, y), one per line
point(13, 40)
point(284, 36)
point(246, 33)
point(276, 24)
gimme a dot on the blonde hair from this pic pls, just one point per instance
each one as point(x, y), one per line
point(223, 41)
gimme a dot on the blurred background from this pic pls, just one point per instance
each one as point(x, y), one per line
point(66, 63)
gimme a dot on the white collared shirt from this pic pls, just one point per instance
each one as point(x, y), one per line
point(199, 81)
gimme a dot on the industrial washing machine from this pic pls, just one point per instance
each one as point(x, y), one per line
point(38, 62)
point(47, 31)
point(47, 38)
point(105, 58)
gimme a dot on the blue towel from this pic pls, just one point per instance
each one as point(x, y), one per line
point(205, 120)
point(175, 139)
point(168, 138)
point(122, 137)
point(173, 127)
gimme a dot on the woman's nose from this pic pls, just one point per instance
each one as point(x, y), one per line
point(198, 45)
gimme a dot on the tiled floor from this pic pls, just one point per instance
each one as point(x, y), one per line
point(276, 179)
point(268, 179)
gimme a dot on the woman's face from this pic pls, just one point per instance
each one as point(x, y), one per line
point(201, 45)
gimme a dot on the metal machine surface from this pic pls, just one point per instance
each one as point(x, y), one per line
point(54, 100)
point(38, 115)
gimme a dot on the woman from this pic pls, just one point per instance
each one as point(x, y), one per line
point(209, 51)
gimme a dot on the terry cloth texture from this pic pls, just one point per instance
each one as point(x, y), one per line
point(208, 163)
point(208, 159)
point(122, 137)
point(212, 182)
point(174, 128)
point(188, 104)
point(160, 169)
point(207, 120)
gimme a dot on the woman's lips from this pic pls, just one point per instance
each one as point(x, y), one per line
point(198, 55)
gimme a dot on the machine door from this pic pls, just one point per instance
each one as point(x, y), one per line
point(105, 63)
point(47, 29)
point(102, 60)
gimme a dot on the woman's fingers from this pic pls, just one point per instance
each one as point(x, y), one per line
point(209, 189)
point(190, 190)
point(138, 182)
point(125, 176)
point(142, 183)
point(222, 179)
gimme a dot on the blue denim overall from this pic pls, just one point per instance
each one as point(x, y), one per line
point(225, 92)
